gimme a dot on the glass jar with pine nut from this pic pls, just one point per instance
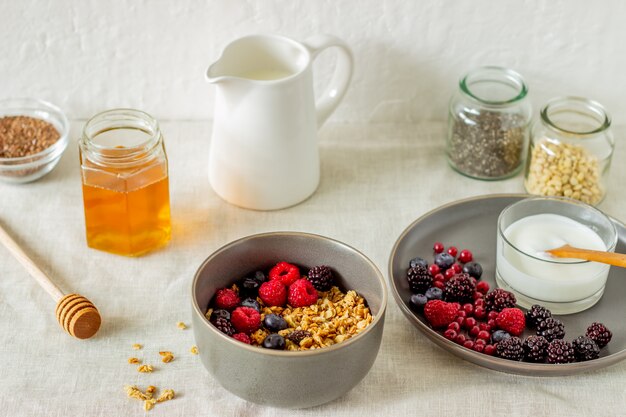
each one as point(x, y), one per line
point(571, 148)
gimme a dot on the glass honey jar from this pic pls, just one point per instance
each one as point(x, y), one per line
point(125, 183)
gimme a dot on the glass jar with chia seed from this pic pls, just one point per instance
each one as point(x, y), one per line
point(571, 147)
point(488, 124)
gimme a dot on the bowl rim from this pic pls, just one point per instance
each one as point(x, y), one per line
point(51, 152)
point(491, 362)
point(378, 319)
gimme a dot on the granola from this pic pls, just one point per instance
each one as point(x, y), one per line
point(145, 368)
point(181, 325)
point(194, 350)
point(147, 397)
point(134, 361)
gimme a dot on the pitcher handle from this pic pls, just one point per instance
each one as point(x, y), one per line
point(338, 86)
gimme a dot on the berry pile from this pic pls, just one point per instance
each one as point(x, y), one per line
point(455, 302)
point(243, 310)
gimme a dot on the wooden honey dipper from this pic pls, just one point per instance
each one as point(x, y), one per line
point(76, 314)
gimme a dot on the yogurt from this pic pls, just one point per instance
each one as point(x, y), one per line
point(524, 265)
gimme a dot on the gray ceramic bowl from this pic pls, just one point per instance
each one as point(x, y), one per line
point(284, 378)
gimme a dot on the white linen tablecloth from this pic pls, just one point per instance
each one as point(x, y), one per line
point(376, 179)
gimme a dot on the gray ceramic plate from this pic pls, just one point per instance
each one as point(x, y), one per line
point(471, 224)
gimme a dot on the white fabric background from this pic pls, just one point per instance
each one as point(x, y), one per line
point(376, 179)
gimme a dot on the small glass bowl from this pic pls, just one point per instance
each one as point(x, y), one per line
point(564, 286)
point(32, 167)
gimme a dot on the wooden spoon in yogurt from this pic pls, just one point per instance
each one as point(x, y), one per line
point(567, 251)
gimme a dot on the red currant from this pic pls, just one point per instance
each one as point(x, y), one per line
point(453, 251)
point(461, 313)
point(469, 322)
point(433, 269)
point(460, 339)
point(479, 347)
point(474, 331)
point(450, 334)
point(480, 313)
point(439, 284)
point(489, 350)
point(482, 287)
point(438, 247)
point(484, 335)
point(485, 327)
point(479, 302)
point(480, 342)
point(454, 326)
point(465, 256)
point(468, 344)
point(492, 315)
point(457, 268)
point(477, 295)
point(491, 323)
point(468, 308)
point(460, 320)
point(439, 277)
point(449, 273)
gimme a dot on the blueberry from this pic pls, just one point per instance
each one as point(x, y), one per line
point(274, 341)
point(274, 322)
point(417, 302)
point(434, 293)
point(499, 335)
point(418, 261)
point(252, 303)
point(249, 287)
point(220, 314)
point(444, 260)
point(473, 269)
point(260, 276)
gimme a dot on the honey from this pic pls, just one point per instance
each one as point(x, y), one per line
point(125, 183)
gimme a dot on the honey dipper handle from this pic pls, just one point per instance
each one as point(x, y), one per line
point(30, 266)
point(567, 251)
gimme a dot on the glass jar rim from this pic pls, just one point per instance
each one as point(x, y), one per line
point(507, 74)
point(569, 102)
point(612, 246)
point(114, 119)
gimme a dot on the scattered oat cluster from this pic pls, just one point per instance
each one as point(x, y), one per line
point(564, 170)
point(148, 396)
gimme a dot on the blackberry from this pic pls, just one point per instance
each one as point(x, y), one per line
point(585, 349)
point(499, 299)
point(419, 279)
point(321, 277)
point(511, 349)
point(459, 288)
point(536, 315)
point(560, 351)
point(298, 335)
point(599, 334)
point(551, 329)
point(535, 348)
point(224, 326)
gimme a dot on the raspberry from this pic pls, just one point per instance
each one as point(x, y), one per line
point(242, 337)
point(273, 293)
point(302, 293)
point(440, 313)
point(226, 299)
point(499, 299)
point(511, 320)
point(585, 349)
point(245, 319)
point(419, 279)
point(321, 277)
point(285, 272)
point(224, 326)
point(599, 334)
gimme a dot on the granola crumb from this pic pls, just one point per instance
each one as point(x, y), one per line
point(148, 404)
point(181, 325)
point(166, 395)
point(133, 392)
point(134, 361)
point(145, 368)
point(137, 346)
point(194, 350)
point(167, 358)
point(150, 390)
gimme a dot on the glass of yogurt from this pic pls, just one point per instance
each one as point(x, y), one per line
point(527, 228)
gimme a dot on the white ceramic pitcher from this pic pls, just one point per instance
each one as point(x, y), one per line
point(264, 153)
